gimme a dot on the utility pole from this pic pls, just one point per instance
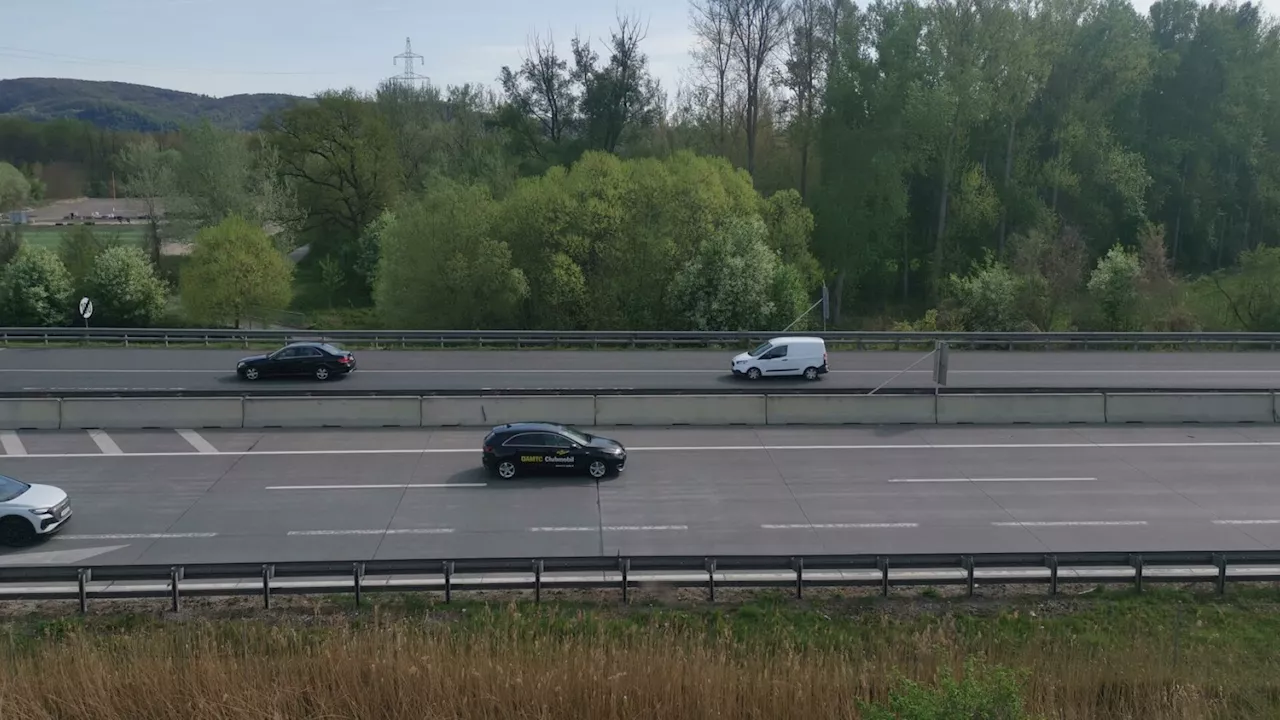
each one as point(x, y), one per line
point(409, 77)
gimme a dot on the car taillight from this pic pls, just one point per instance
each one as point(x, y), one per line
point(344, 359)
point(488, 449)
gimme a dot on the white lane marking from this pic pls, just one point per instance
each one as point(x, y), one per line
point(136, 536)
point(377, 487)
point(669, 371)
point(839, 526)
point(197, 441)
point(1246, 522)
point(105, 443)
point(711, 448)
point(993, 480)
point(12, 443)
point(1070, 523)
point(58, 557)
point(406, 531)
point(612, 528)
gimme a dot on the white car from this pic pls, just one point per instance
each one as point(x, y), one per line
point(28, 511)
point(782, 356)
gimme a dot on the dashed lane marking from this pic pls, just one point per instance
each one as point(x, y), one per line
point(839, 526)
point(403, 486)
point(405, 531)
point(993, 480)
point(105, 443)
point(136, 536)
point(12, 443)
point(198, 442)
point(1071, 523)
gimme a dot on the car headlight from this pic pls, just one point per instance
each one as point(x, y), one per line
point(40, 511)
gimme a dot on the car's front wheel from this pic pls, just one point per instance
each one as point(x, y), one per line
point(598, 469)
point(251, 373)
point(14, 531)
point(753, 374)
point(506, 469)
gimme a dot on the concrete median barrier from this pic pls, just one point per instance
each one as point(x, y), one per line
point(851, 410)
point(1046, 409)
point(499, 409)
point(30, 414)
point(680, 410)
point(143, 413)
point(314, 412)
point(1190, 408)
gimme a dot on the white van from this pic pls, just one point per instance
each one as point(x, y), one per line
point(806, 356)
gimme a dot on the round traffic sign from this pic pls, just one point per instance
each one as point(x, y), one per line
point(86, 308)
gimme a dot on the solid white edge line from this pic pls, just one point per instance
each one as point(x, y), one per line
point(1246, 522)
point(409, 486)
point(611, 528)
point(694, 448)
point(136, 536)
point(198, 442)
point(405, 531)
point(839, 526)
point(105, 443)
point(12, 443)
point(992, 480)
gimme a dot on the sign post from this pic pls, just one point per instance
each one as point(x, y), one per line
point(940, 352)
point(86, 310)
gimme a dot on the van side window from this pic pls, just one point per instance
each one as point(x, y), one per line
point(778, 352)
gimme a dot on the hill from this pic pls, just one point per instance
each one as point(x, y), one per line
point(124, 106)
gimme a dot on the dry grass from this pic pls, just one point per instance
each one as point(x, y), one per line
point(1170, 655)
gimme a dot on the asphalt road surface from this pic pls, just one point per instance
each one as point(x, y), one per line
point(235, 496)
point(196, 370)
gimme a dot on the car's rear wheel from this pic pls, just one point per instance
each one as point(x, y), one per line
point(811, 373)
point(753, 374)
point(15, 531)
point(597, 469)
point(322, 373)
point(251, 373)
point(506, 469)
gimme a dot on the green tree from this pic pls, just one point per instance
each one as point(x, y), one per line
point(1113, 286)
point(441, 267)
point(150, 176)
point(125, 289)
point(234, 272)
point(10, 244)
point(15, 190)
point(1252, 290)
point(35, 289)
point(79, 248)
point(733, 282)
point(987, 300)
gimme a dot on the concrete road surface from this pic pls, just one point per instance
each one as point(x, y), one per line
point(130, 369)
point(236, 496)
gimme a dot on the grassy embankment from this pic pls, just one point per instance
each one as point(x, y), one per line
point(1165, 654)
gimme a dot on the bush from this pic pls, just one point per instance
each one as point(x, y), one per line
point(35, 289)
point(125, 289)
point(982, 694)
point(234, 272)
point(1113, 287)
point(988, 299)
point(10, 244)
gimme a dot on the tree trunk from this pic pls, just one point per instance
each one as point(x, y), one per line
point(1008, 173)
point(906, 263)
point(935, 276)
point(837, 302)
point(804, 171)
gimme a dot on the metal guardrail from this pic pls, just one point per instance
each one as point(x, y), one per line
point(634, 339)
point(626, 573)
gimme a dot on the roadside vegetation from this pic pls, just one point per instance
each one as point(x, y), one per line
point(1163, 654)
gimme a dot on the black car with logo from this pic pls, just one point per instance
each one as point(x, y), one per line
point(321, 361)
point(532, 447)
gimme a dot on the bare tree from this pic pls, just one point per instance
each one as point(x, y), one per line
point(621, 95)
point(803, 74)
point(713, 59)
point(756, 29)
point(542, 89)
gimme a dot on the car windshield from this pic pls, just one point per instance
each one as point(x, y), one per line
point(10, 488)
point(760, 350)
point(576, 435)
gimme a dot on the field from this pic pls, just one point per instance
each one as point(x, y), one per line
point(1163, 654)
point(50, 235)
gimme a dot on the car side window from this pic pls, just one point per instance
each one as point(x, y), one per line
point(558, 441)
point(309, 352)
point(287, 353)
point(778, 352)
point(526, 440)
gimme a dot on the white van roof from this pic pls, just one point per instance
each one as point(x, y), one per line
point(796, 339)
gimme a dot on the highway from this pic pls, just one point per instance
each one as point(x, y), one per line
point(250, 496)
point(70, 370)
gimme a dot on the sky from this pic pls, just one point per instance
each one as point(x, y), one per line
point(300, 47)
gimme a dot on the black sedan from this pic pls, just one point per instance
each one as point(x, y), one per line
point(318, 360)
point(550, 447)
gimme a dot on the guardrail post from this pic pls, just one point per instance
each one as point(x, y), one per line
point(448, 580)
point(1220, 560)
point(624, 564)
point(1136, 562)
point(537, 581)
point(268, 572)
point(967, 563)
point(710, 564)
point(357, 575)
point(1052, 562)
point(175, 575)
point(82, 581)
point(798, 564)
point(883, 562)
